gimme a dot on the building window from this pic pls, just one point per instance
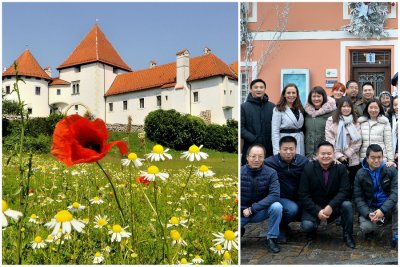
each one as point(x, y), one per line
point(58, 91)
point(29, 111)
point(125, 105)
point(110, 106)
point(115, 70)
point(141, 102)
point(158, 101)
point(166, 98)
point(76, 107)
point(75, 89)
point(8, 90)
point(195, 96)
point(37, 91)
point(224, 92)
point(78, 69)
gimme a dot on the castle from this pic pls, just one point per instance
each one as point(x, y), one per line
point(94, 79)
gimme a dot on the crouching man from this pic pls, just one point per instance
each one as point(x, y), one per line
point(375, 194)
point(259, 198)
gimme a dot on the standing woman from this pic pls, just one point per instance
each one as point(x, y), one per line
point(318, 109)
point(394, 123)
point(343, 131)
point(375, 129)
point(338, 91)
point(288, 119)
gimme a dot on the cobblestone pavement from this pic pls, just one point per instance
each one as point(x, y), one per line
point(328, 248)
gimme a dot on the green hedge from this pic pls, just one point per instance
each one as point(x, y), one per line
point(170, 128)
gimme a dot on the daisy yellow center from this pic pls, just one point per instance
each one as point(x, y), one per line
point(203, 168)
point(229, 235)
point(76, 205)
point(227, 255)
point(96, 198)
point(184, 261)
point(38, 239)
point(197, 257)
point(158, 149)
point(117, 228)
point(175, 235)
point(64, 216)
point(174, 220)
point(132, 156)
point(33, 216)
point(102, 222)
point(98, 254)
point(218, 247)
point(4, 206)
point(49, 237)
point(194, 149)
point(153, 170)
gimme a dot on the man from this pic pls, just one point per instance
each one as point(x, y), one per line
point(375, 193)
point(259, 198)
point(289, 167)
point(394, 83)
point(352, 90)
point(324, 192)
point(368, 93)
point(256, 117)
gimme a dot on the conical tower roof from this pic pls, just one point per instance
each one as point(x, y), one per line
point(27, 66)
point(95, 47)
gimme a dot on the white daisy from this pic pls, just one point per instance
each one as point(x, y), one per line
point(227, 258)
point(203, 171)
point(175, 221)
point(75, 207)
point(38, 243)
point(107, 249)
point(229, 239)
point(96, 200)
point(153, 172)
point(49, 239)
point(176, 238)
point(194, 153)
point(118, 233)
point(100, 221)
point(13, 214)
point(183, 261)
point(218, 249)
point(158, 153)
point(197, 259)
point(132, 157)
point(34, 219)
point(98, 258)
point(67, 236)
point(64, 220)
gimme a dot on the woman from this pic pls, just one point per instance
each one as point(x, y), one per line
point(375, 129)
point(338, 91)
point(288, 119)
point(386, 100)
point(393, 119)
point(318, 109)
point(343, 131)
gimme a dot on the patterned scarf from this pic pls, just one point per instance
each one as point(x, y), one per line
point(346, 122)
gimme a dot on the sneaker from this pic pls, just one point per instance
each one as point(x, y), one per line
point(281, 238)
point(349, 241)
point(272, 245)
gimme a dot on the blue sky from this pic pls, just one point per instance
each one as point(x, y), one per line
point(140, 32)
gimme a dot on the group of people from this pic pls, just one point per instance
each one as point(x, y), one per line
point(312, 163)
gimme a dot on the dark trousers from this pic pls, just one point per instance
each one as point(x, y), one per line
point(309, 222)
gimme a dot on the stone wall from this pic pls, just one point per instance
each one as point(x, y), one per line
point(119, 127)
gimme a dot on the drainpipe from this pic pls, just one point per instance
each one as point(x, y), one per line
point(190, 97)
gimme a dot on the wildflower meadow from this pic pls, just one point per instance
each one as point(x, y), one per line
point(117, 198)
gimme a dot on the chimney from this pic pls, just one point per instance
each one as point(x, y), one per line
point(182, 68)
point(48, 70)
point(152, 64)
point(4, 69)
point(207, 50)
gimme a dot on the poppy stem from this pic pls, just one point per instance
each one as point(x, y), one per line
point(115, 192)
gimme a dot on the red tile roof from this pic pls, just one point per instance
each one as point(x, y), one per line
point(235, 67)
point(27, 66)
point(58, 81)
point(164, 76)
point(95, 47)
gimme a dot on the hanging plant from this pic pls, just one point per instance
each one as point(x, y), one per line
point(367, 19)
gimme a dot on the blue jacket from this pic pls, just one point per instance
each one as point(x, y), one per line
point(259, 188)
point(289, 174)
point(369, 192)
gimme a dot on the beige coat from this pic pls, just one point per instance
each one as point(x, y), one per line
point(353, 149)
point(376, 132)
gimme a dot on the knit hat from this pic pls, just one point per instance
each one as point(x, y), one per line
point(394, 79)
point(384, 93)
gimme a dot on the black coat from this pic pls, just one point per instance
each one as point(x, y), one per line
point(314, 195)
point(255, 124)
point(364, 190)
point(289, 174)
point(258, 188)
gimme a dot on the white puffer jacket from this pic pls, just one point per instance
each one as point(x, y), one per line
point(376, 132)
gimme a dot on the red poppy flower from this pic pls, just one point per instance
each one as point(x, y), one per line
point(142, 180)
point(78, 140)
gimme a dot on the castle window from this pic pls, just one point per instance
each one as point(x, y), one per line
point(141, 102)
point(158, 101)
point(195, 96)
point(78, 69)
point(110, 106)
point(125, 105)
point(8, 89)
point(29, 111)
point(75, 88)
point(58, 91)
point(76, 107)
point(37, 91)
